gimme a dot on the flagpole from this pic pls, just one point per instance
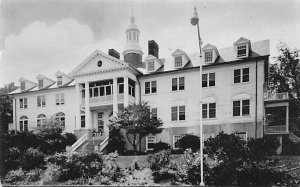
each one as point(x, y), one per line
point(195, 21)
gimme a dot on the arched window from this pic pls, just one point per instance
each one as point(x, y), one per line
point(40, 119)
point(60, 116)
point(23, 123)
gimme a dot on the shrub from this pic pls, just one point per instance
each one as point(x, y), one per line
point(116, 141)
point(33, 158)
point(162, 168)
point(14, 176)
point(161, 146)
point(70, 139)
point(11, 159)
point(189, 141)
point(236, 162)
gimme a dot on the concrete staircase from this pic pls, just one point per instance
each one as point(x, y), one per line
point(89, 145)
point(294, 138)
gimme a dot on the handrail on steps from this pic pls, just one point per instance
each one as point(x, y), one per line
point(78, 143)
point(103, 144)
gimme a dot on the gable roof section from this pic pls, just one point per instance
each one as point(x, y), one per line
point(241, 40)
point(30, 83)
point(66, 77)
point(180, 52)
point(93, 56)
point(50, 81)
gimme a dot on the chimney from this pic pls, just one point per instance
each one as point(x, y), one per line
point(114, 53)
point(153, 48)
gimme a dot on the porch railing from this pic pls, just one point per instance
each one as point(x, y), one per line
point(270, 96)
point(78, 143)
point(277, 128)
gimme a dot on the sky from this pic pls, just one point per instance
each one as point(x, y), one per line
point(44, 36)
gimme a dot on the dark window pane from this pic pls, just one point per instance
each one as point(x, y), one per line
point(212, 79)
point(154, 112)
point(91, 92)
point(121, 88)
point(204, 111)
point(96, 94)
point(212, 110)
point(147, 87)
point(133, 91)
point(174, 84)
point(204, 80)
point(245, 107)
point(153, 86)
point(82, 121)
point(181, 112)
point(174, 113)
point(102, 91)
point(181, 83)
point(237, 76)
point(246, 75)
point(236, 108)
point(108, 90)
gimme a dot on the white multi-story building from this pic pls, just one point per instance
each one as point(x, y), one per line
point(234, 94)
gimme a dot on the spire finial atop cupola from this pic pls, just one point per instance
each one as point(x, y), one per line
point(132, 17)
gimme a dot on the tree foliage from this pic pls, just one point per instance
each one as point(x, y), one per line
point(138, 122)
point(285, 77)
point(6, 103)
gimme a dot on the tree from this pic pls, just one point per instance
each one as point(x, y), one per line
point(116, 141)
point(137, 122)
point(285, 77)
point(6, 106)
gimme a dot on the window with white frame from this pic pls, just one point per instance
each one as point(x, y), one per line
point(208, 56)
point(100, 123)
point(40, 119)
point(23, 102)
point(208, 110)
point(23, 123)
point(82, 119)
point(60, 116)
point(154, 113)
point(208, 80)
point(150, 87)
point(23, 85)
point(150, 141)
point(41, 101)
point(242, 50)
point(59, 80)
point(175, 141)
point(150, 65)
point(41, 83)
point(178, 61)
point(241, 75)
point(177, 83)
point(241, 107)
point(60, 98)
point(242, 135)
point(178, 113)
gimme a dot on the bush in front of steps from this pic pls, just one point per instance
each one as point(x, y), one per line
point(116, 141)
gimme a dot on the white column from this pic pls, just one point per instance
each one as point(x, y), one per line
point(126, 99)
point(87, 107)
point(287, 118)
point(78, 103)
point(115, 96)
point(15, 121)
point(137, 93)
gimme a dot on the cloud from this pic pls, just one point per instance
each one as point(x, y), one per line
point(45, 49)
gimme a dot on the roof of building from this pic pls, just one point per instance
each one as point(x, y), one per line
point(228, 54)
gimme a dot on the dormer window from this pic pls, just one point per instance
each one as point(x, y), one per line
point(242, 50)
point(178, 61)
point(41, 83)
point(150, 66)
point(22, 85)
point(59, 80)
point(208, 55)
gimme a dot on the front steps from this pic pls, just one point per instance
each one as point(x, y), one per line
point(91, 145)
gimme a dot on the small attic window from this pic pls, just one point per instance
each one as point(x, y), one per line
point(178, 61)
point(208, 56)
point(242, 50)
point(59, 80)
point(41, 83)
point(22, 85)
point(150, 65)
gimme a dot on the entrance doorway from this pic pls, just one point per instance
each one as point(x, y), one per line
point(100, 124)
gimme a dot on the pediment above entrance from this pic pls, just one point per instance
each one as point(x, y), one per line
point(99, 62)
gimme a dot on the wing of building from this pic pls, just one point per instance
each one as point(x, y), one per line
point(235, 98)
